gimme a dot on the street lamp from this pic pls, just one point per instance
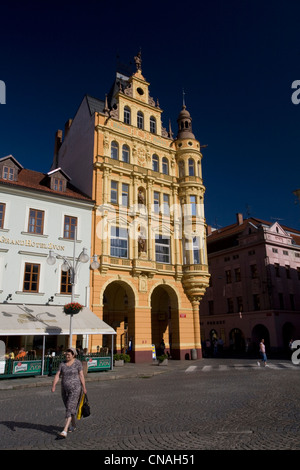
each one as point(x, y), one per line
point(73, 269)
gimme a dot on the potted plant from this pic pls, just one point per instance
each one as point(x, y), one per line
point(162, 360)
point(72, 308)
point(120, 359)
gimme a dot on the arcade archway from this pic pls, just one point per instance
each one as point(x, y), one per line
point(164, 319)
point(118, 312)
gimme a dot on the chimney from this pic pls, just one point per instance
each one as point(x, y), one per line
point(239, 218)
point(67, 127)
point(209, 230)
point(57, 145)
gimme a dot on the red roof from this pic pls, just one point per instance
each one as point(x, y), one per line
point(30, 179)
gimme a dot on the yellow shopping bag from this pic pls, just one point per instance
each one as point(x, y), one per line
point(79, 410)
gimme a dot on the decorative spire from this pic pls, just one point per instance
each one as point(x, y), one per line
point(170, 130)
point(183, 98)
point(106, 109)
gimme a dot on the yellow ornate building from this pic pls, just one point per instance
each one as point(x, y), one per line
point(148, 224)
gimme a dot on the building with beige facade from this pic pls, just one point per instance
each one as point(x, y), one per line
point(148, 226)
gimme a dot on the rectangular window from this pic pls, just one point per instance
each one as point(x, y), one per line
point(237, 274)
point(156, 202)
point(210, 307)
point(36, 221)
point(288, 271)
point(31, 277)
point(58, 185)
point(256, 302)
point(162, 249)
point(166, 204)
point(239, 301)
point(119, 242)
point(196, 250)
point(125, 194)
point(228, 276)
point(254, 273)
point(8, 173)
point(230, 305)
point(70, 225)
point(65, 285)
point(2, 214)
point(281, 302)
point(277, 269)
point(193, 205)
point(292, 302)
point(114, 192)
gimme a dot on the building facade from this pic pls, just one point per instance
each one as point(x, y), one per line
point(254, 291)
point(148, 224)
point(40, 212)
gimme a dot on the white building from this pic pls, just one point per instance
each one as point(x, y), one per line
point(40, 212)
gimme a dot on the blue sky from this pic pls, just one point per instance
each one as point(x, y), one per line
point(236, 61)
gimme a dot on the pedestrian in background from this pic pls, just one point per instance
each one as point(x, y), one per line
point(73, 382)
point(262, 351)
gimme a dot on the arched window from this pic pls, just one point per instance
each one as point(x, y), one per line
point(165, 166)
point(152, 125)
point(155, 163)
point(127, 115)
point(125, 153)
point(140, 120)
point(114, 153)
point(191, 167)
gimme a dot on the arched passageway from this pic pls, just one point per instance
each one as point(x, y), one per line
point(164, 319)
point(118, 312)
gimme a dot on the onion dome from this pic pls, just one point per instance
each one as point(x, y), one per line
point(184, 121)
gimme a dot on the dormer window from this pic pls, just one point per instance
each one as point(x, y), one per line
point(58, 185)
point(58, 180)
point(8, 173)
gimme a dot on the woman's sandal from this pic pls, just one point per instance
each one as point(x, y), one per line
point(72, 429)
point(62, 434)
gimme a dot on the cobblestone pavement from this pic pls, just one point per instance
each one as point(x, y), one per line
point(213, 405)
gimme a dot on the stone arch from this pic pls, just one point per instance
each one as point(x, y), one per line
point(164, 303)
point(119, 299)
point(258, 333)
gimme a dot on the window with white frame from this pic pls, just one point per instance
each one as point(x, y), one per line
point(119, 242)
point(162, 249)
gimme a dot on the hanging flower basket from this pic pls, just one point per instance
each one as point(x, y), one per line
point(72, 308)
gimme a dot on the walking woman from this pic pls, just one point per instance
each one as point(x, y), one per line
point(72, 383)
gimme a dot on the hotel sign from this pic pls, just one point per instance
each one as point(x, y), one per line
point(30, 243)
